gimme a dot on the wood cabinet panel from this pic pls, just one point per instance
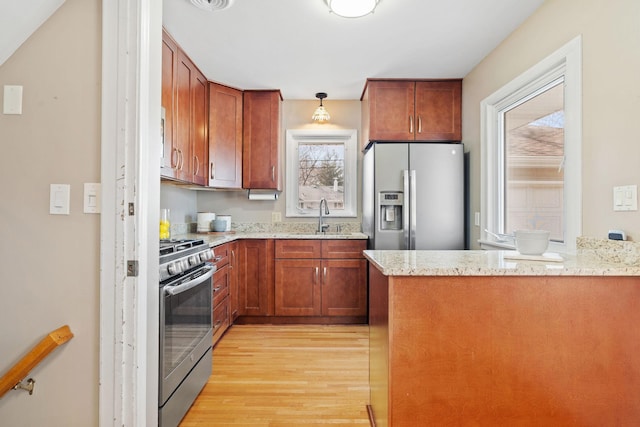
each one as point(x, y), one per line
point(169, 79)
point(220, 321)
point(221, 255)
point(297, 287)
point(185, 101)
point(343, 248)
point(513, 350)
point(308, 285)
point(438, 110)
point(412, 110)
point(225, 136)
point(199, 129)
point(391, 105)
point(234, 303)
point(343, 292)
point(255, 259)
point(298, 248)
point(182, 121)
point(220, 284)
point(261, 139)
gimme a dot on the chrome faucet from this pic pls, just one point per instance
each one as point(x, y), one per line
point(323, 227)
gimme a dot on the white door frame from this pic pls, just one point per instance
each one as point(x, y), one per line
point(130, 164)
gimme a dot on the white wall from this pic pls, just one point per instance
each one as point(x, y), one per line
point(611, 98)
point(49, 264)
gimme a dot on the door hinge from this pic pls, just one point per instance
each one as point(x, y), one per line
point(131, 209)
point(132, 268)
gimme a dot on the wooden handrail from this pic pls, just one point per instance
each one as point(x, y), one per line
point(41, 350)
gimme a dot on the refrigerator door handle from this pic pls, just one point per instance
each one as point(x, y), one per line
point(405, 211)
point(413, 195)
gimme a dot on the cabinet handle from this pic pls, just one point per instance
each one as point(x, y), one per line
point(216, 289)
point(197, 165)
point(180, 159)
point(317, 273)
point(324, 273)
point(213, 170)
point(410, 124)
point(175, 150)
point(273, 173)
point(233, 258)
point(419, 124)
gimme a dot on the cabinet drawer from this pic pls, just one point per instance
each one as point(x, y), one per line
point(298, 248)
point(343, 248)
point(220, 284)
point(220, 319)
point(221, 253)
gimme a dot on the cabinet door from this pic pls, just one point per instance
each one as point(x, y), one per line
point(182, 117)
point(438, 105)
point(233, 282)
point(344, 287)
point(169, 70)
point(255, 277)
point(199, 127)
point(260, 156)
point(221, 254)
point(220, 285)
point(391, 110)
point(297, 287)
point(225, 137)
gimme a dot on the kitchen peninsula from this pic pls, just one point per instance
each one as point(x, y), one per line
point(476, 338)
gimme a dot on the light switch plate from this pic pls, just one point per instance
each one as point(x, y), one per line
point(91, 197)
point(12, 99)
point(59, 197)
point(625, 198)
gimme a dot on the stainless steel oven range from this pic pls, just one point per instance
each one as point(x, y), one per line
point(186, 327)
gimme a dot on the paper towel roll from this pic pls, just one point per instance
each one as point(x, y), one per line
point(271, 195)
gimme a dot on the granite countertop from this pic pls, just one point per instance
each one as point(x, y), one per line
point(497, 263)
point(216, 239)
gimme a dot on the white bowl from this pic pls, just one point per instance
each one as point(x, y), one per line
point(531, 242)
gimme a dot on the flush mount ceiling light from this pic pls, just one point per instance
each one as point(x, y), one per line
point(352, 8)
point(212, 4)
point(321, 114)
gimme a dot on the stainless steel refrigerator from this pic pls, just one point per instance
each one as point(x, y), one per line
point(413, 195)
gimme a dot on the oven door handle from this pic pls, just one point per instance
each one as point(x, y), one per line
point(175, 290)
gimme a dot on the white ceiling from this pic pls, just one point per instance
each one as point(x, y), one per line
point(297, 46)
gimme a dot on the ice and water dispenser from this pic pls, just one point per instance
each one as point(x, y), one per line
point(390, 210)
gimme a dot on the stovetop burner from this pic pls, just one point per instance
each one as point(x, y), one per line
point(176, 245)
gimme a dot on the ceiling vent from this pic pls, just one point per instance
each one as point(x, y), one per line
point(212, 4)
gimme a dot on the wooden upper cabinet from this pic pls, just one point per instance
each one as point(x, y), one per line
point(185, 102)
point(409, 110)
point(225, 137)
point(199, 129)
point(261, 150)
point(438, 110)
point(168, 162)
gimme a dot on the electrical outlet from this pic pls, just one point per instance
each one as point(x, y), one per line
point(276, 217)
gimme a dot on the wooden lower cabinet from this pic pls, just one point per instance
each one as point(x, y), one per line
point(504, 350)
point(221, 292)
point(255, 277)
point(306, 285)
point(234, 300)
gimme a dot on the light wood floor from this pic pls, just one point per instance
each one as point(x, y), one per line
point(276, 376)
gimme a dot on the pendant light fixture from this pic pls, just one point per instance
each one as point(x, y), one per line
point(352, 8)
point(321, 114)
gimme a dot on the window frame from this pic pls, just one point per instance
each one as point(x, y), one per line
point(565, 63)
point(295, 137)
